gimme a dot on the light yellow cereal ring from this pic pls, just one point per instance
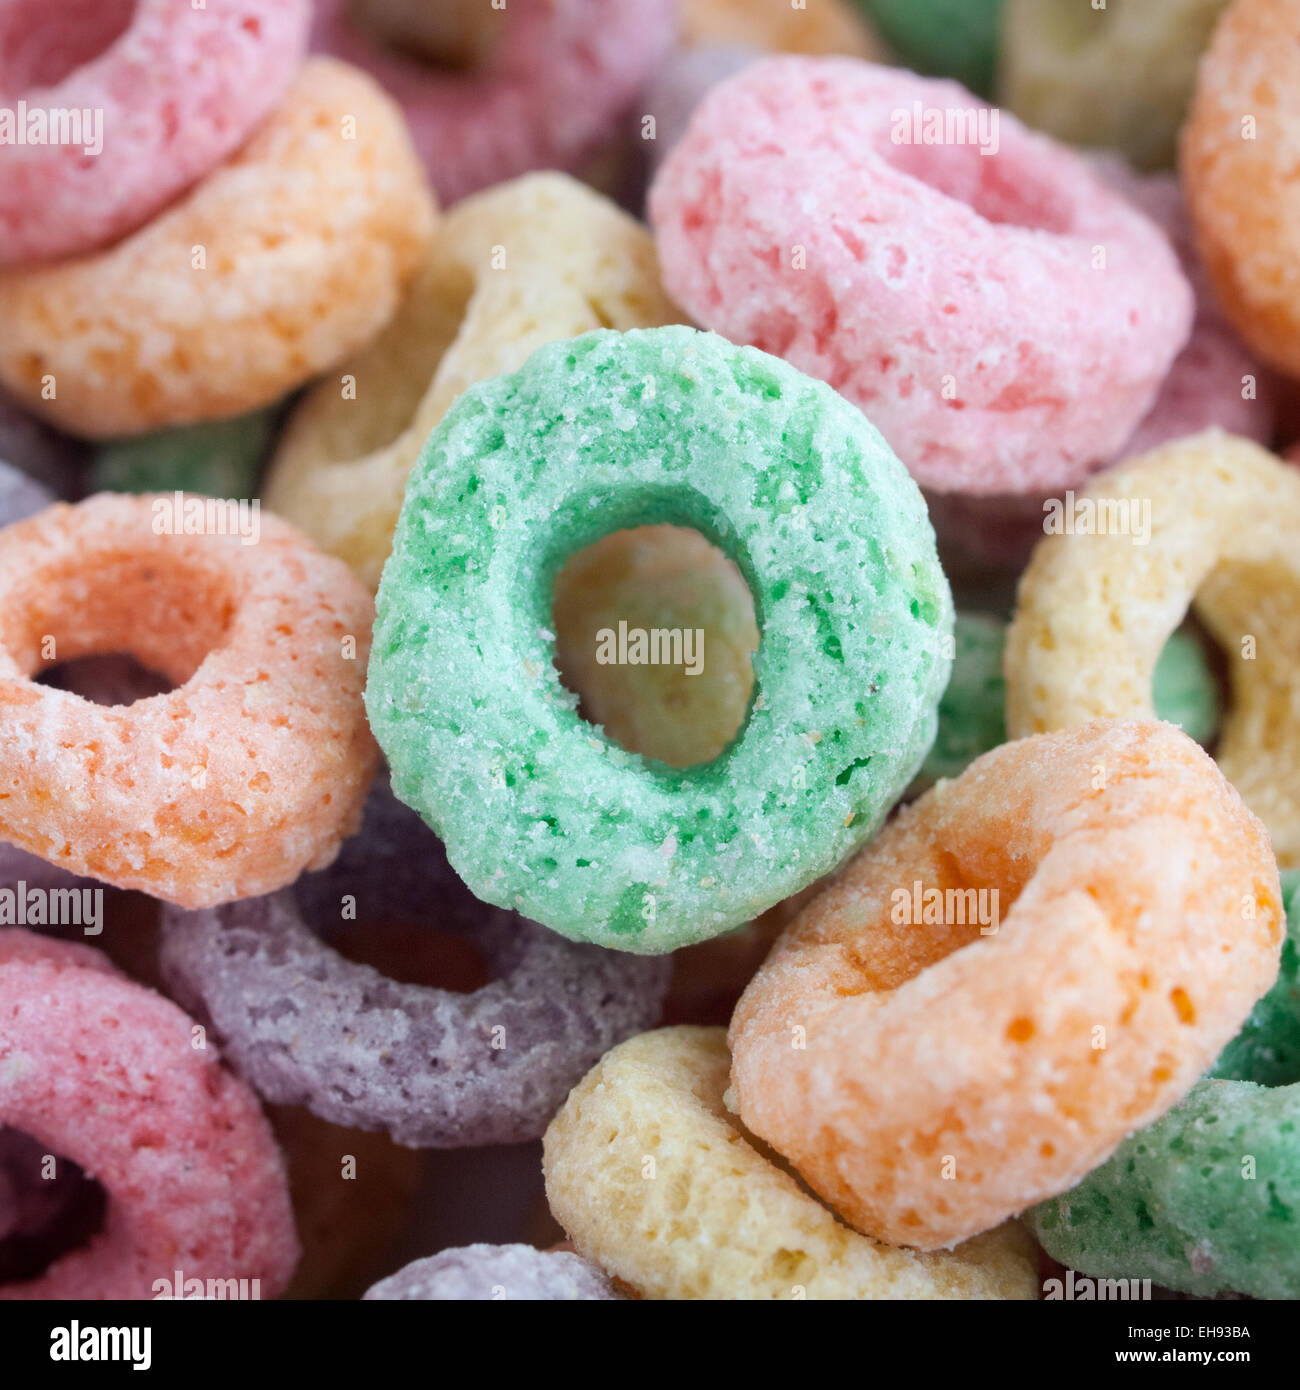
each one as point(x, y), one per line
point(514, 267)
point(1094, 610)
point(654, 1180)
point(818, 27)
point(290, 256)
point(1118, 78)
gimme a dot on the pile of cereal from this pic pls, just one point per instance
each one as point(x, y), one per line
point(647, 651)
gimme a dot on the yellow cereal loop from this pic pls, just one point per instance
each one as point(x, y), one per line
point(1117, 77)
point(1098, 601)
point(817, 27)
point(667, 578)
point(519, 265)
point(286, 259)
point(655, 1181)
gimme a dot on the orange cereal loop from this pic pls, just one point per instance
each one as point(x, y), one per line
point(287, 258)
point(253, 768)
point(1211, 522)
point(1029, 963)
point(1239, 152)
point(819, 27)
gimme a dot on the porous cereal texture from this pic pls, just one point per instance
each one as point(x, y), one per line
point(657, 1182)
point(1104, 913)
point(540, 811)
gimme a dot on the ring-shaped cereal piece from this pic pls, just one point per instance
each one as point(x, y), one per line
point(1137, 918)
point(1093, 611)
point(253, 768)
point(1070, 70)
point(435, 1068)
point(558, 75)
point(973, 711)
point(106, 1073)
point(658, 1183)
point(540, 811)
point(1237, 159)
point(496, 1272)
point(804, 213)
point(177, 89)
point(285, 259)
point(537, 259)
point(1203, 1200)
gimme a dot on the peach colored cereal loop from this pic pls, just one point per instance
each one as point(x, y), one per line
point(1238, 155)
point(285, 259)
point(251, 770)
point(1029, 963)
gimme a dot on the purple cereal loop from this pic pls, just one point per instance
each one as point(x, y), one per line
point(20, 495)
point(434, 1068)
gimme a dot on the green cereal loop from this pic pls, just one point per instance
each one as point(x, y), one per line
point(943, 38)
point(1267, 1050)
point(540, 811)
point(219, 458)
point(1183, 688)
point(1207, 1199)
point(972, 713)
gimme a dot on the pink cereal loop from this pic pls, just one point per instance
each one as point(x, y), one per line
point(176, 90)
point(104, 1073)
point(560, 75)
point(1003, 318)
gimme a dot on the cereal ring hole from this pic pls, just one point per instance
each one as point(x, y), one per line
point(412, 954)
point(438, 948)
point(42, 1218)
point(1189, 658)
point(111, 679)
point(165, 611)
point(1018, 195)
point(456, 37)
point(655, 632)
point(42, 44)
